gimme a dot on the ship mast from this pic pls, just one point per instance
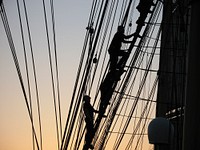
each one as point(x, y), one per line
point(179, 81)
point(172, 69)
point(191, 138)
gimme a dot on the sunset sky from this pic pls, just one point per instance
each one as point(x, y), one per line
point(71, 17)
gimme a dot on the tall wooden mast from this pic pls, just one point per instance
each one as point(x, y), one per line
point(191, 138)
point(172, 69)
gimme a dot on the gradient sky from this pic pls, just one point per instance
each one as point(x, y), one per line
point(71, 20)
point(71, 17)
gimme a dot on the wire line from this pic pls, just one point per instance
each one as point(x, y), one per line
point(12, 48)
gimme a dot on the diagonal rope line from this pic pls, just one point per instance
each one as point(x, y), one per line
point(51, 70)
point(27, 70)
point(16, 62)
point(56, 65)
point(34, 72)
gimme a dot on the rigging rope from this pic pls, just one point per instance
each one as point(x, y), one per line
point(16, 62)
point(101, 42)
point(106, 130)
point(56, 65)
point(151, 95)
point(75, 115)
point(86, 85)
point(137, 97)
point(27, 70)
point(126, 14)
point(51, 65)
point(34, 72)
point(83, 84)
point(91, 18)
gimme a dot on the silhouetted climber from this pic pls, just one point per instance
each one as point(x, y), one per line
point(144, 7)
point(115, 47)
point(89, 119)
point(106, 89)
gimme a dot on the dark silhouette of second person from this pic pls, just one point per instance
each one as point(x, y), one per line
point(144, 7)
point(115, 47)
point(89, 119)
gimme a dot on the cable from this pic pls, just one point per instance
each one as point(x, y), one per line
point(34, 72)
point(114, 112)
point(75, 116)
point(84, 83)
point(27, 70)
point(126, 14)
point(51, 67)
point(12, 48)
point(91, 19)
point(56, 65)
point(137, 96)
point(148, 104)
point(103, 38)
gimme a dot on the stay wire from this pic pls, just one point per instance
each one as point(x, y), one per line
point(78, 72)
point(124, 21)
point(91, 43)
point(34, 73)
point(83, 88)
point(101, 43)
point(147, 110)
point(122, 92)
point(56, 65)
point(80, 119)
point(100, 129)
point(92, 40)
point(51, 70)
point(136, 55)
point(27, 70)
point(113, 7)
point(151, 95)
point(79, 124)
point(75, 87)
point(65, 136)
point(12, 48)
point(126, 99)
point(138, 93)
point(124, 2)
point(102, 75)
point(67, 126)
point(76, 107)
point(80, 131)
point(123, 117)
point(81, 91)
point(91, 19)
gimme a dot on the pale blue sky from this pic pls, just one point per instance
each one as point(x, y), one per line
point(71, 18)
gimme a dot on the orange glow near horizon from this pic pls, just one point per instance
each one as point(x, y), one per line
point(71, 19)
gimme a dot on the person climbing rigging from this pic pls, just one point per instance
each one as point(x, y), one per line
point(89, 119)
point(144, 7)
point(115, 47)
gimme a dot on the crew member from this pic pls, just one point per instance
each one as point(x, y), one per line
point(89, 119)
point(115, 47)
point(144, 7)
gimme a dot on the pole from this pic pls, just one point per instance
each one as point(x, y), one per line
point(191, 131)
